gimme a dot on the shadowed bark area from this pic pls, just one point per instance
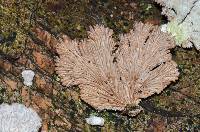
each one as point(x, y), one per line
point(61, 108)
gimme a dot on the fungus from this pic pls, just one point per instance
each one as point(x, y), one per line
point(118, 78)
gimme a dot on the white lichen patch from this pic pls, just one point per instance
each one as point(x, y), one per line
point(18, 118)
point(28, 76)
point(94, 120)
point(184, 21)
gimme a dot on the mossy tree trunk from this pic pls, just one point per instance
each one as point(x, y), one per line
point(61, 108)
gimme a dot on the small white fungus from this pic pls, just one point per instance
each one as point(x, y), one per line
point(94, 120)
point(164, 28)
point(18, 118)
point(28, 76)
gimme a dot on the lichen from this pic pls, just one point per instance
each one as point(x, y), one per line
point(184, 17)
point(17, 117)
point(179, 31)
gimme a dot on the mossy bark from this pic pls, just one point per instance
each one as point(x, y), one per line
point(61, 108)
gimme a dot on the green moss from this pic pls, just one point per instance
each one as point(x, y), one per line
point(14, 25)
point(149, 11)
point(4, 97)
point(2, 93)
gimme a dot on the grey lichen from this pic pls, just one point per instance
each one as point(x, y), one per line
point(18, 118)
point(184, 21)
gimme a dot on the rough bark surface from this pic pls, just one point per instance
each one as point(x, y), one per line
point(61, 108)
